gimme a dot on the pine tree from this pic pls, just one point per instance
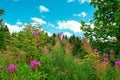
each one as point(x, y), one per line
point(4, 32)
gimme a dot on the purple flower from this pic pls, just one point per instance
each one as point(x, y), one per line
point(117, 63)
point(35, 33)
point(11, 67)
point(105, 55)
point(104, 62)
point(33, 64)
point(111, 51)
point(105, 59)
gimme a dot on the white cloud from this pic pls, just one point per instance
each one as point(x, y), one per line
point(50, 25)
point(68, 34)
point(82, 14)
point(83, 1)
point(69, 1)
point(70, 24)
point(38, 21)
point(43, 9)
point(19, 23)
point(49, 33)
point(17, 28)
point(34, 24)
point(13, 28)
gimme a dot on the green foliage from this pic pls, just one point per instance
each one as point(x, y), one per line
point(29, 74)
point(2, 40)
point(4, 33)
point(87, 71)
point(77, 49)
point(1, 12)
point(106, 24)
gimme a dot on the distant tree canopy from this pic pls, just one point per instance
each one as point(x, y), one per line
point(1, 12)
point(4, 32)
point(106, 20)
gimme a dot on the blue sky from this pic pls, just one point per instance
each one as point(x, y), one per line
point(53, 15)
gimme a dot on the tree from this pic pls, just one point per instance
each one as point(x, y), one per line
point(4, 32)
point(106, 21)
point(1, 12)
point(77, 48)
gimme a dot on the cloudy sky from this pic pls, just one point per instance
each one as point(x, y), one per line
point(53, 15)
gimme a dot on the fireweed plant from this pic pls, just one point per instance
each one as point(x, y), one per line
point(36, 56)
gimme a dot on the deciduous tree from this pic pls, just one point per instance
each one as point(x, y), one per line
point(106, 20)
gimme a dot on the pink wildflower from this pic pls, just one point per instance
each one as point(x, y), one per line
point(11, 67)
point(105, 55)
point(104, 62)
point(111, 51)
point(117, 63)
point(35, 33)
point(33, 64)
point(104, 59)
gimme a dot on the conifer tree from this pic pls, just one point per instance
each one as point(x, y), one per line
point(4, 32)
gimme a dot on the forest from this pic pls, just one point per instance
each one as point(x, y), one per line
point(33, 55)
